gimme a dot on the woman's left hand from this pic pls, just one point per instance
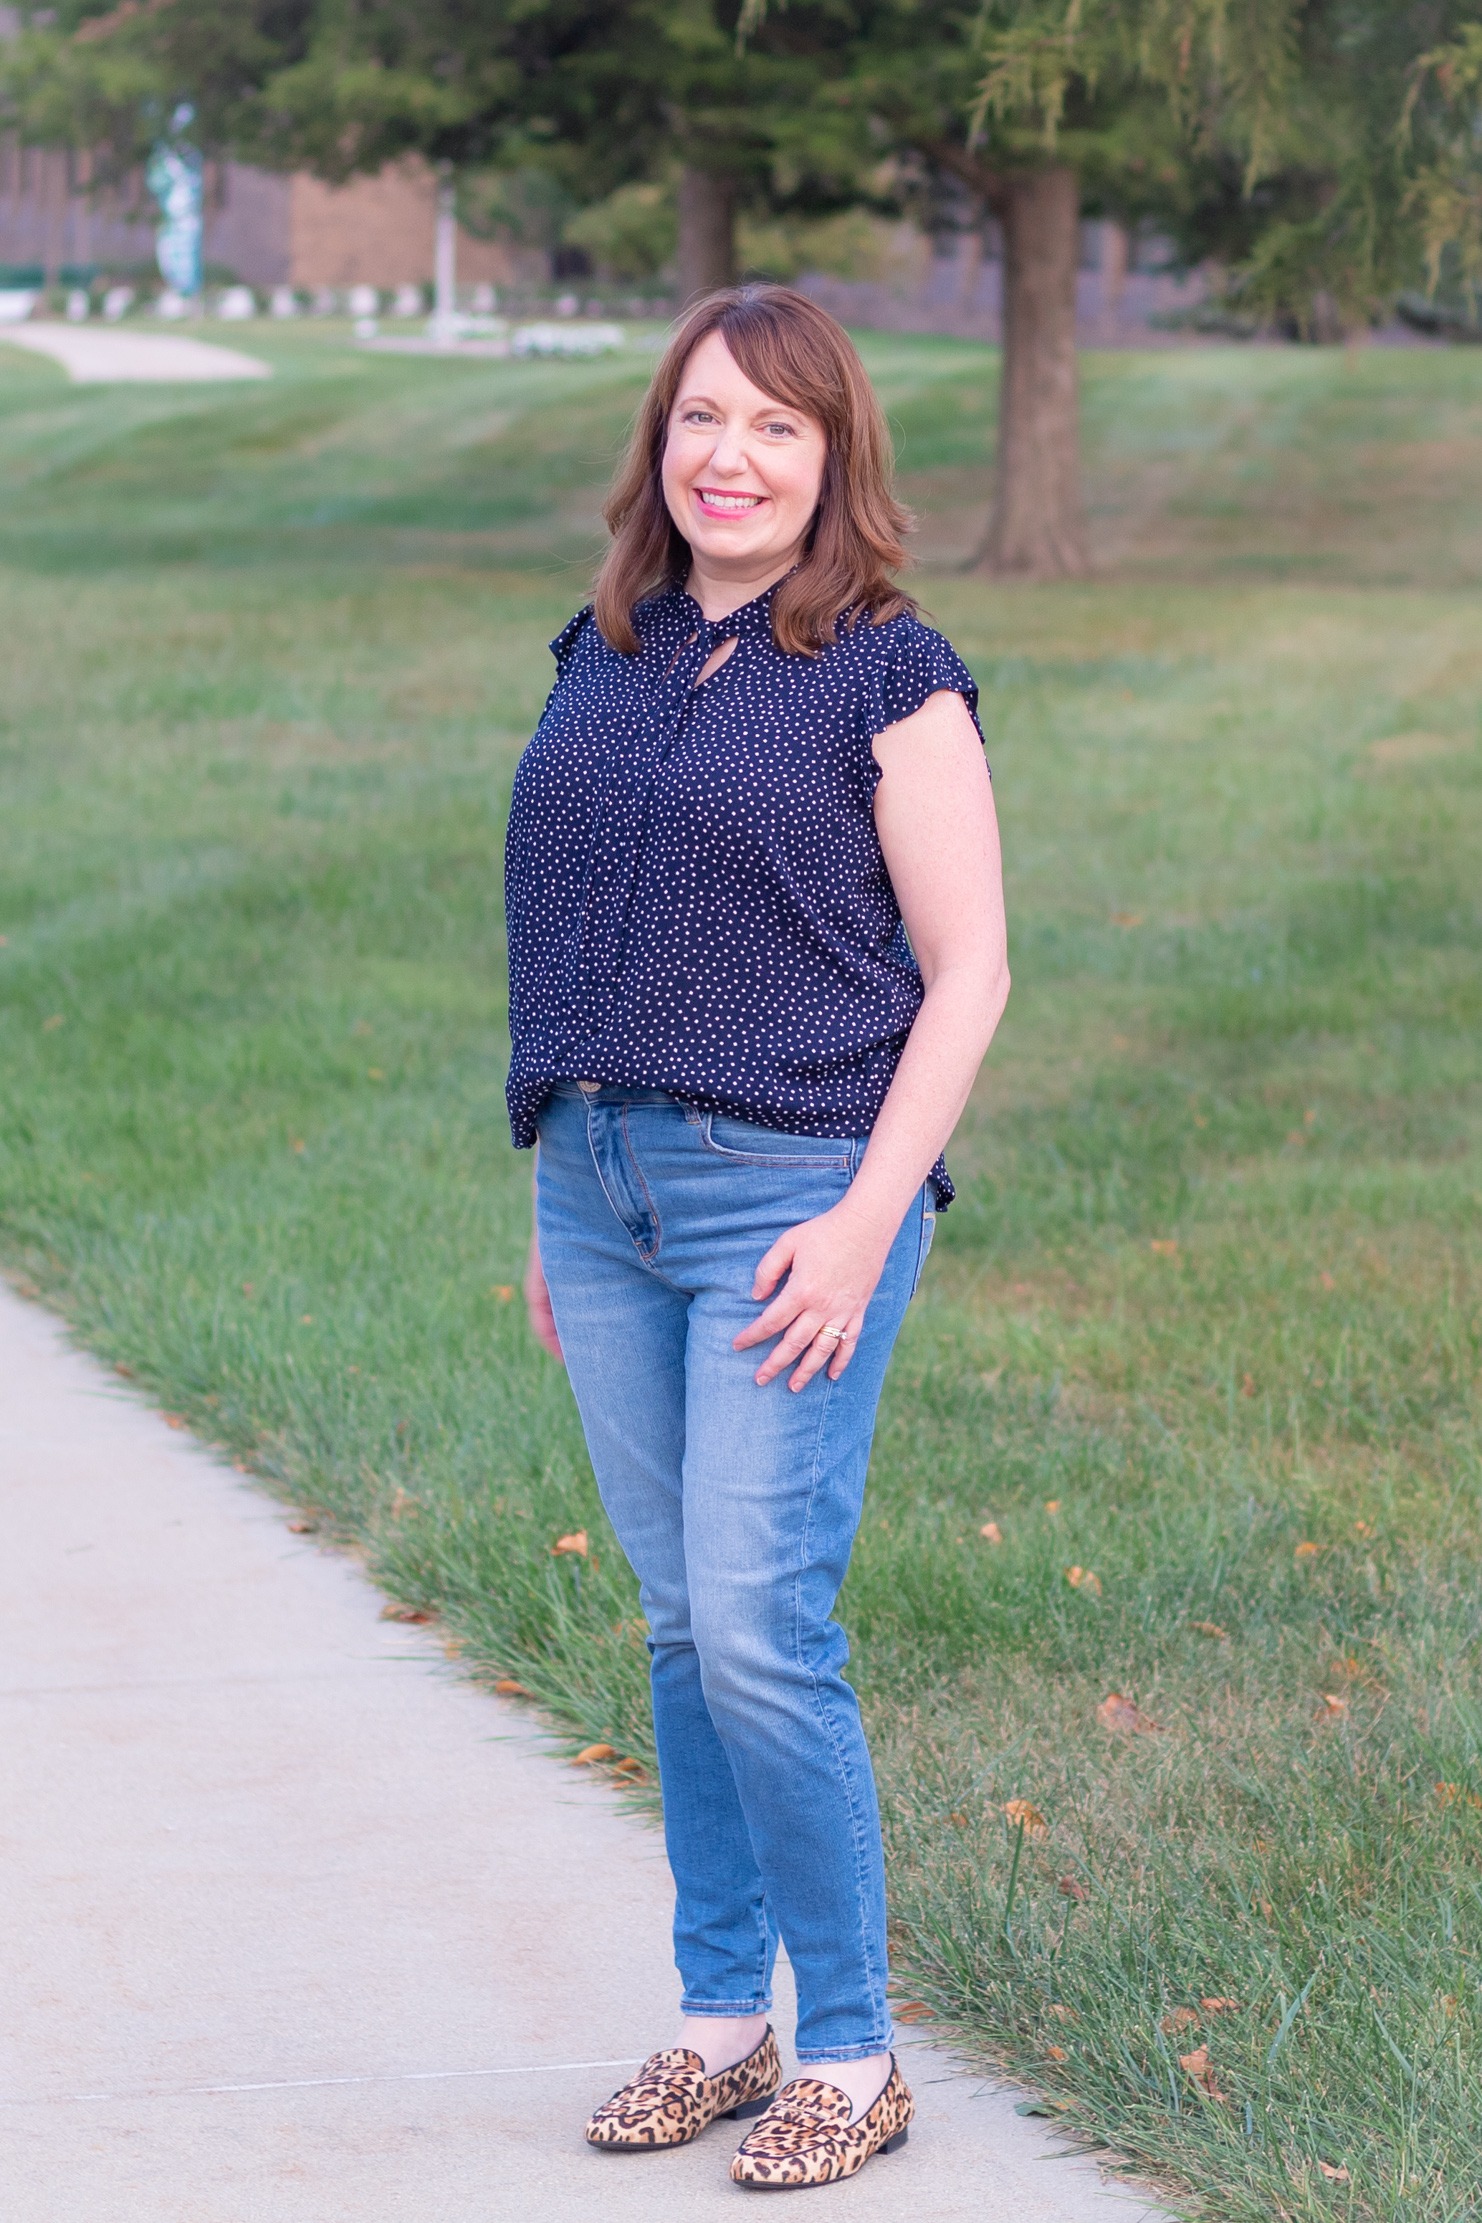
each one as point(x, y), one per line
point(832, 1265)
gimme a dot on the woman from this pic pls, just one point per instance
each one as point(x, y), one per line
point(756, 956)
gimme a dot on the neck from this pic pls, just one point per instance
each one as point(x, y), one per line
point(719, 592)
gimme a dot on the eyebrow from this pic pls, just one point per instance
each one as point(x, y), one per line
point(788, 408)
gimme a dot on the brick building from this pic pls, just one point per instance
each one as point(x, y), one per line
point(261, 228)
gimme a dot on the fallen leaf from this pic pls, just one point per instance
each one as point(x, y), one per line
point(174, 1420)
point(1120, 1714)
point(507, 1687)
point(591, 1752)
point(958, 1819)
point(1083, 1578)
point(1307, 1551)
point(247, 1290)
point(1338, 2175)
point(1165, 1246)
point(915, 2010)
point(1219, 2006)
point(453, 1646)
point(241, 1466)
point(1128, 919)
point(1052, 1504)
point(1247, 1385)
point(126, 1371)
point(303, 1528)
point(298, 1144)
point(1071, 1887)
point(1021, 1815)
point(1196, 2065)
point(306, 1319)
point(1309, 1117)
point(991, 1533)
point(1327, 1280)
point(1452, 1794)
point(1363, 1528)
point(1056, 2053)
point(1176, 2019)
point(1333, 1707)
point(576, 1542)
point(503, 1290)
point(1061, 2014)
point(631, 1768)
point(49, 1026)
point(1210, 1629)
point(391, 1611)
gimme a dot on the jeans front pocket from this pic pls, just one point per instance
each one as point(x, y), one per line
point(744, 1143)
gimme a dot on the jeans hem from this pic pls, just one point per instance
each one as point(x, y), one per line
point(865, 2052)
point(733, 2009)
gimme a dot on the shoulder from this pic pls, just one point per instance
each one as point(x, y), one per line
point(910, 662)
point(568, 640)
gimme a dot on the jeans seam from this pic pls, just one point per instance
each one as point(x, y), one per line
point(653, 1210)
point(614, 1207)
point(876, 1983)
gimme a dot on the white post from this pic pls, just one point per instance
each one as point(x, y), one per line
point(445, 258)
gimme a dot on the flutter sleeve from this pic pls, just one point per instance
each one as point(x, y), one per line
point(914, 665)
point(563, 647)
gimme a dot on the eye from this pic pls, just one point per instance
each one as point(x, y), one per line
point(779, 430)
point(698, 417)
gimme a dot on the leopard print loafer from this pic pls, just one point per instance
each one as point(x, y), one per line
point(806, 2137)
point(671, 2099)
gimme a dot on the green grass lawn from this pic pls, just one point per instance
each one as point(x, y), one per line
point(1204, 1325)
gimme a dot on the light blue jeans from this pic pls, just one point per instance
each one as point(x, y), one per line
point(737, 1507)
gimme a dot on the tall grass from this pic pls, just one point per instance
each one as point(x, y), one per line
point(1204, 1325)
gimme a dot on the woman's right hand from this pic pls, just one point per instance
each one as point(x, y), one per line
point(538, 1305)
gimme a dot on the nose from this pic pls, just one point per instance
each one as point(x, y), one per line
point(728, 458)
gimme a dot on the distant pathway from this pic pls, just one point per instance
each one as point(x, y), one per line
point(94, 355)
point(298, 1927)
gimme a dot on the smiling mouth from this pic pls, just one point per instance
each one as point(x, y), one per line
point(729, 505)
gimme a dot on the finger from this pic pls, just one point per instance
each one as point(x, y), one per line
point(784, 1309)
point(791, 1347)
point(844, 1354)
point(825, 1350)
point(771, 1267)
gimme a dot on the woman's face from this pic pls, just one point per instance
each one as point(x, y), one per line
point(742, 472)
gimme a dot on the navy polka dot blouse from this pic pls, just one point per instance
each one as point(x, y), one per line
point(696, 895)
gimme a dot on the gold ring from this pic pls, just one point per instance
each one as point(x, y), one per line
point(835, 1335)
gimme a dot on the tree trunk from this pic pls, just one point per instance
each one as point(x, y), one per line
point(1038, 529)
point(707, 232)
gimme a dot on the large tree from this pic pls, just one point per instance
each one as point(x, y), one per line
point(1267, 132)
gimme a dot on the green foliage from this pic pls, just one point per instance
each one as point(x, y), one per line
point(1441, 121)
point(632, 234)
point(271, 654)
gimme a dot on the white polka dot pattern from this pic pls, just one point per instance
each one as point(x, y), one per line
point(696, 895)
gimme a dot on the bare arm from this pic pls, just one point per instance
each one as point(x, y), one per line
point(939, 831)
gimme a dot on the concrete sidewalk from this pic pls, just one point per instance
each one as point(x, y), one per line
point(296, 1926)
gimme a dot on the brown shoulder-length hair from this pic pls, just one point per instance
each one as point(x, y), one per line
point(796, 353)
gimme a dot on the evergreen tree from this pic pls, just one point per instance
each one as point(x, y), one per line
point(1315, 146)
